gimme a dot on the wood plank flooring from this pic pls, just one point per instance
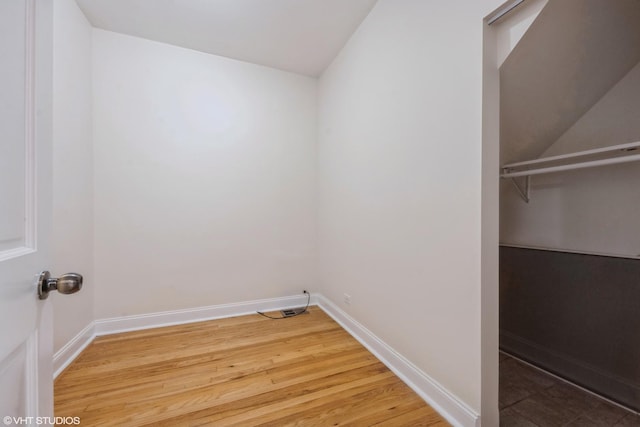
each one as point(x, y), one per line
point(241, 371)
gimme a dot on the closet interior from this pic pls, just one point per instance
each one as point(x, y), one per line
point(569, 206)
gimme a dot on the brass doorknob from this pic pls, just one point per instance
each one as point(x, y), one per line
point(69, 283)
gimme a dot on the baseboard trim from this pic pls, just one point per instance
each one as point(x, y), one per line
point(441, 399)
point(72, 349)
point(199, 314)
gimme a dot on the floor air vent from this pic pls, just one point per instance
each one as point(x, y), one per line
point(292, 312)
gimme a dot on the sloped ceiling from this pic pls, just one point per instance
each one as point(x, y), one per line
point(301, 36)
point(573, 53)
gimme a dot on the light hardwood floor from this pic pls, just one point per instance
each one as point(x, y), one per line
point(248, 371)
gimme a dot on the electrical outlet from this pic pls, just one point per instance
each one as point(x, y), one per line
point(347, 299)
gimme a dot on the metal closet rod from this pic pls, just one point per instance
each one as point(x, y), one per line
point(580, 165)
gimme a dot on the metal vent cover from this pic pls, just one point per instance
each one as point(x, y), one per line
point(290, 312)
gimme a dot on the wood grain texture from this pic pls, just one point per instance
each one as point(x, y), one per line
point(240, 371)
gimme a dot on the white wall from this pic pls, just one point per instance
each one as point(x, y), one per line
point(498, 40)
point(204, 178)
point(205, 173)
point(400, 141)
point(590, 210)
point(72, 168)
point(612, 120)
point(490, 225)
point(513, 26)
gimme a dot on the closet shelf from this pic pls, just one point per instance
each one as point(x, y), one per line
point(512, 170)
point(622, 153)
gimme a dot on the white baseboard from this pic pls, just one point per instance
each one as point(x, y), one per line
point(72, 349)
point(442, 400)
point(178, 317)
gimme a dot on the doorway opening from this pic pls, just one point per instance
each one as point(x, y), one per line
point(562, 79)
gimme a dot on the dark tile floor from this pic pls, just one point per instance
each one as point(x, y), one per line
point(531, 398)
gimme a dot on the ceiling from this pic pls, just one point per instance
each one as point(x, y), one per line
point(301, 36)
point(570, 57)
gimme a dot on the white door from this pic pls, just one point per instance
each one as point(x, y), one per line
point(26, 388)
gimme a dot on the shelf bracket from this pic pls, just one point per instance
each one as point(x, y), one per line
point(523, 190)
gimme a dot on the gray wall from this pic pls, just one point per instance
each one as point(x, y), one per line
point(575, 315)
